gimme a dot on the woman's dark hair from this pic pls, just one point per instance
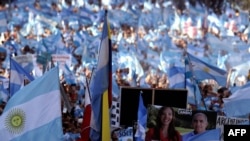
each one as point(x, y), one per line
point(172, 133)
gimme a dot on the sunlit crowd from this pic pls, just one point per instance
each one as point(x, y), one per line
point(140, 32)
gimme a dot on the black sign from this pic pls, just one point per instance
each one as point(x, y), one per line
point(163, 97)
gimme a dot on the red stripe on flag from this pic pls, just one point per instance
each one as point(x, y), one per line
point(85, 131)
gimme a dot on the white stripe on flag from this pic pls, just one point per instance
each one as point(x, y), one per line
point(16, 77)
point(176, 79)
point(105, 52)
point(37, 113)
point(197, 66)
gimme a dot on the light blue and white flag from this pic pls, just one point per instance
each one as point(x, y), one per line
point(100, 88)
point(176, 77)
point(210, 135)
point(236, 104)
point(194, 94)
point(4, 94)
point(69, 76)
point(34, 113)
point(202, 70)
point(142, 120)
point(17, 76)
point(196, 50)
point(3, 21)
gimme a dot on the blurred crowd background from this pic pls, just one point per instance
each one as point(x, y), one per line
point(148, 38)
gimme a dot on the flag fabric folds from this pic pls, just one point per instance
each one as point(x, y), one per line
point(17, 76)
point(213, 135)
point(202, 70)
point(34, 112)
point(69, 76)
point(3, 21)
point(236, 104)
point(142, 121)
point(194, 94)
point(176, 77)
point(86, 118)
point(179, 79)
point(100, 89)
point(4, 94)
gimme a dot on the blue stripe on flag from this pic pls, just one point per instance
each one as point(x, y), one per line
point(177, 77)
point(142, 120)
point(237, 103)
point(40, 88)
point(38, 108)
point(202, 70)
point(214, 134)
point(50, 128)
point(17, 76)
point(100, 83)
point(3, 21)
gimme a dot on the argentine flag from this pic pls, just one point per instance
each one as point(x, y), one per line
point(17, 76)
point(202, 70)
point(237, 104)
point(142, 120)
point(34, 112)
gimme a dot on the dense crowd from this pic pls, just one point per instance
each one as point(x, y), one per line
point(141, 31)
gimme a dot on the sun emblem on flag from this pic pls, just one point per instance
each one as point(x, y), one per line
point(15, 120)
point(206, 69)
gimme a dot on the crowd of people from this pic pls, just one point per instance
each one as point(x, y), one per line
point(142, 32)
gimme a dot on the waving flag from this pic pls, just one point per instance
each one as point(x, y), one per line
point(34, 112)
point(176, 77)
point(236, 104)
point(3, 21)
point(100, 88)
point(17, 76)
point(194, 94)
point(86, 118)
point(179, 80)
point(202, 70)
point(69, 76)
point(142, 121)
point(4, 94)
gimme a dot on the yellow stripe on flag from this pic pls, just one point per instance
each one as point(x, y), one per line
point(105, 117)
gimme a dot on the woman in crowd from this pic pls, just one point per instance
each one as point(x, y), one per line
point(165, 129)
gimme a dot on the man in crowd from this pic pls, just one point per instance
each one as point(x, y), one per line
point(199, 123)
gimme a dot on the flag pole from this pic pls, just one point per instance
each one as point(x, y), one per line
point(105, 126)
point(193, 80)
point(65, 98)
point(87, 86)
point(9, 77)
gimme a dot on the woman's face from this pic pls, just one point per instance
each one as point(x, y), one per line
point(166, 116)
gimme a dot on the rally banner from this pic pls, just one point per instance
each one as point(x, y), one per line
point(124, 134)
point(62, 59)
point(26, 61)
